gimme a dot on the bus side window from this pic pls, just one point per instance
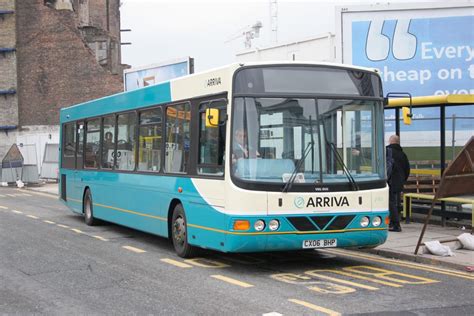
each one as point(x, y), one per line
point(92, 144)
point(149, 148)
point(212, 140)
point(126, 142)
point(108, 142)
point(177, 141)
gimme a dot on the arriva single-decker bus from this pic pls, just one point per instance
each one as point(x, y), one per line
point(244, 158)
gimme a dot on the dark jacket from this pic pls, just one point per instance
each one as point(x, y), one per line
point(398, 167)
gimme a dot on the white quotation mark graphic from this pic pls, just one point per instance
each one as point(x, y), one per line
point(378, 45)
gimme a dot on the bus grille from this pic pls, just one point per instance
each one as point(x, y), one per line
point(303, 223)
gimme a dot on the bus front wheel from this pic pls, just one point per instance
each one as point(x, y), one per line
point(88, 209)
point(179, 234)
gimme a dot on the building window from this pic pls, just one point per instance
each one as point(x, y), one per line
point(92, 156)
point(177, 142)
point(69, 146)
point(126, 141)
point(212, 140)
point(108, 144)
point(149, 150)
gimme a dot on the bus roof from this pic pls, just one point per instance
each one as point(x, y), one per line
point(177, 89)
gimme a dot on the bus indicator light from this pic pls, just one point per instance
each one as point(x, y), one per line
point(241, 225)
point(180, 189)
point(387, 220)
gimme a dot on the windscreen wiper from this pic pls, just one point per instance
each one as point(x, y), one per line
point(346, 171)
point(292, 178)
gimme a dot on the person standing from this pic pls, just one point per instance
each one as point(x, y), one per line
point(398, 170)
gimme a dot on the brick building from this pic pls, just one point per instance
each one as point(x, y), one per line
point(54, 53)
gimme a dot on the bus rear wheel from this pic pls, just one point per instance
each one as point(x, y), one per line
point(88, 209)
point(179, 234)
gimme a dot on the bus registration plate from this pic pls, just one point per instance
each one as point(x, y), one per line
point(319, 243)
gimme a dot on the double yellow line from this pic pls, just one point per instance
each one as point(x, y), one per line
point(416, 266)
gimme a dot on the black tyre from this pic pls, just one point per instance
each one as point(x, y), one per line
point(88, 209)
point(179, 234)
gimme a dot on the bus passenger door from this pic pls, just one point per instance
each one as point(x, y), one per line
point(77, 187)
point(211, 146)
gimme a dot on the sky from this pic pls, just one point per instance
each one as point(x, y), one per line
point(209, 30)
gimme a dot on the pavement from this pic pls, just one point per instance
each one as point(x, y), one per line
point(402, 245)
point(399, 245)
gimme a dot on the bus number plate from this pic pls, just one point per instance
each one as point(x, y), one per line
point(320, 243)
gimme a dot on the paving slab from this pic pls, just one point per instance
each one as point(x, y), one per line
point(401, 245)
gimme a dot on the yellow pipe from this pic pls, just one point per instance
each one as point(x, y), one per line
point(432, 100)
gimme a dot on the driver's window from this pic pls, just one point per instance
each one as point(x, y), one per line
point(212, 140)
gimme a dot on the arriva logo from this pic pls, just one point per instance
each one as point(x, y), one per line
point(299, 202)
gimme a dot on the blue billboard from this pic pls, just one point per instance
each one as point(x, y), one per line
point(154, 74)
point(425, 56)
point(421, 56)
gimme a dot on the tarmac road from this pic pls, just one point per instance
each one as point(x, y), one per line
point(52, 263)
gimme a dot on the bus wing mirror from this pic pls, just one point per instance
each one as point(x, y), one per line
point(212, 117)
point(406, 110)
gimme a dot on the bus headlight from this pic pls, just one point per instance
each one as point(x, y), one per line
point(364, 221)
point(259, 225)
point(274, 224)
point(377, 221)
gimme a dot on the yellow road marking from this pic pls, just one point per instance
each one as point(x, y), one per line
point(231, 281)
point(316, 274)
point(458, 274)
point(176, 263)
point(320, 286)
point(77, 230)
point(137, 250)
point(49, 222)
point(100, 238)
point(32, 216)
point(367, 278)
point(63, 226)
point(206, 263)
point(389, 275)
point(44, 194)
point(315, 307)
point(4, 207)
point(18, 212)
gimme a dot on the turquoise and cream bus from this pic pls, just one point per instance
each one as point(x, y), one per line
point(244, 158)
